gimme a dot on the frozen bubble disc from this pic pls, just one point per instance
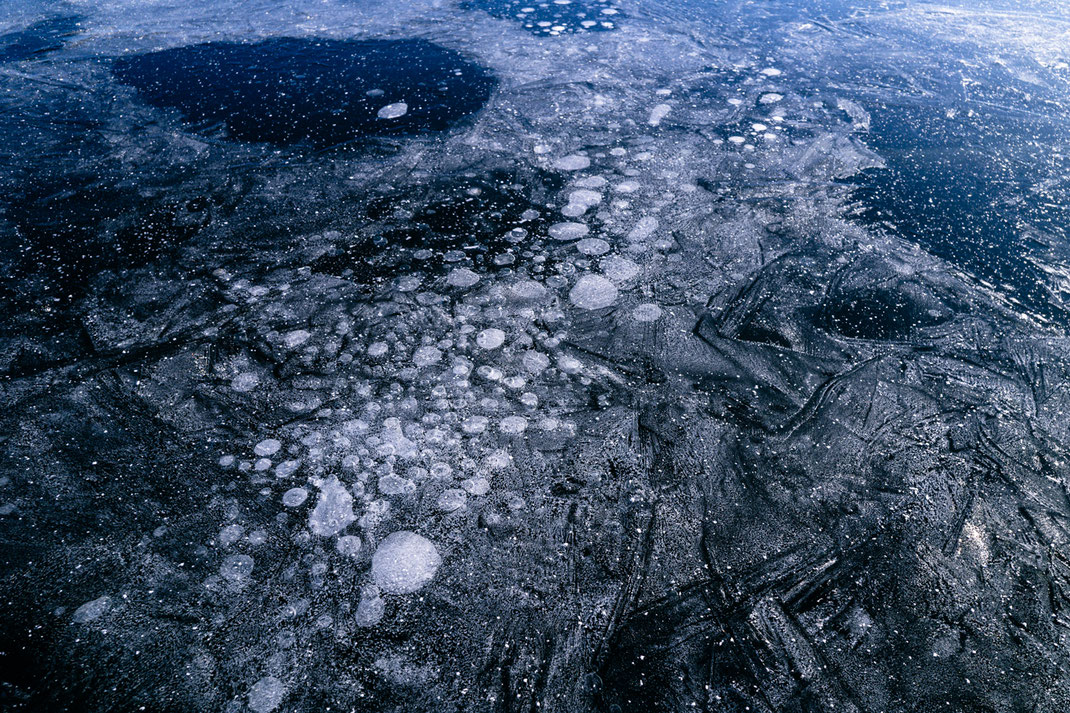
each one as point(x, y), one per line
point(290, 90)
point(593, 292)
point(404, 562)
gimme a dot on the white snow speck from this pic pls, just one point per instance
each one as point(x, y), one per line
point(333, 511)
point(572, 162)
point(266, 694)
point(92, 610)
point(568, 231)
point(404, 562)
point(393, 111)
point(593, 292)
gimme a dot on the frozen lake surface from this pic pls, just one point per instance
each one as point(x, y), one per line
point(577, 355)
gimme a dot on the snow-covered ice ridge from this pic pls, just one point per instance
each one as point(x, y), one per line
point(544, 363)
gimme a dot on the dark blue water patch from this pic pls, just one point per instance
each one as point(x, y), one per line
point(38, 39)
point(556, 17)
point(976, 189)
point(322, 92)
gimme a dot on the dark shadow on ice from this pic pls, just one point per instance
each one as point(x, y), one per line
point(324, 92)
point(39, 38)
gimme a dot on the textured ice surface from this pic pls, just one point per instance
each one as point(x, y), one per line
point(404, 562)
point(783, 430)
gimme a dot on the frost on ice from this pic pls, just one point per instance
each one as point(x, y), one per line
point(92, 610)
point(334, 509)
point(404, 562)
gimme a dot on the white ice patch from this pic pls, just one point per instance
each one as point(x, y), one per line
point(593, 292)
point(644, 228)
point(266, 694)
point(348, 545)
point(295, 338)
point(490, 338)
point(593, 246)
point(92, 610)
point(451, 499)
point(245, 382)
point(267, 447)
point(770, 98)
point(236, 568)
point(527, 290)
point(647, 312)
point(333, 511)
point(230, 534)
point(426, 356)
point(476, 486)
point(393, 111)
point(371, 607)
point(658, 113)
point(462, 277)
point(568, 231)
point(619, 269)
point(294, 497)
point(404, 562)
point(572, 162)
point(771, 72)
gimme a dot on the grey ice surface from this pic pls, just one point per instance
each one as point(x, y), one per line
point(713, 356)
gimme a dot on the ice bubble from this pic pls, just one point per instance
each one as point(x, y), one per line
point(295, 338)
point(585, 197)
point(287, 468)
point(476, 486)
point(619, 269)
point(236, 568)
point(92, 610)
point(451, 499)
point(230, 534)
point(226, 461)
point(534, 361)
point(333, 511)
point(644, 228)
point(462, 277)
point(647, 312)
point(513, 424)
point(245, 382)
point(593, 292)
point(392, 484)
point(490, 338)
point(348, 545)
point(371, 607)
point(267, 447)
point(572, 162)
point(573, 210)
point(568, 231)
point(770, 98)
point(593, 246)
point(474, 424)
point(404, 562)
point(426, 356)
point(393, 111)
point(262, 464)
point(626, 187)
point(593, 181)
point(658, 113)
point(736, 139)
point(266, 694)
point(294, 497)
point(498, 460)
point(527, 290)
